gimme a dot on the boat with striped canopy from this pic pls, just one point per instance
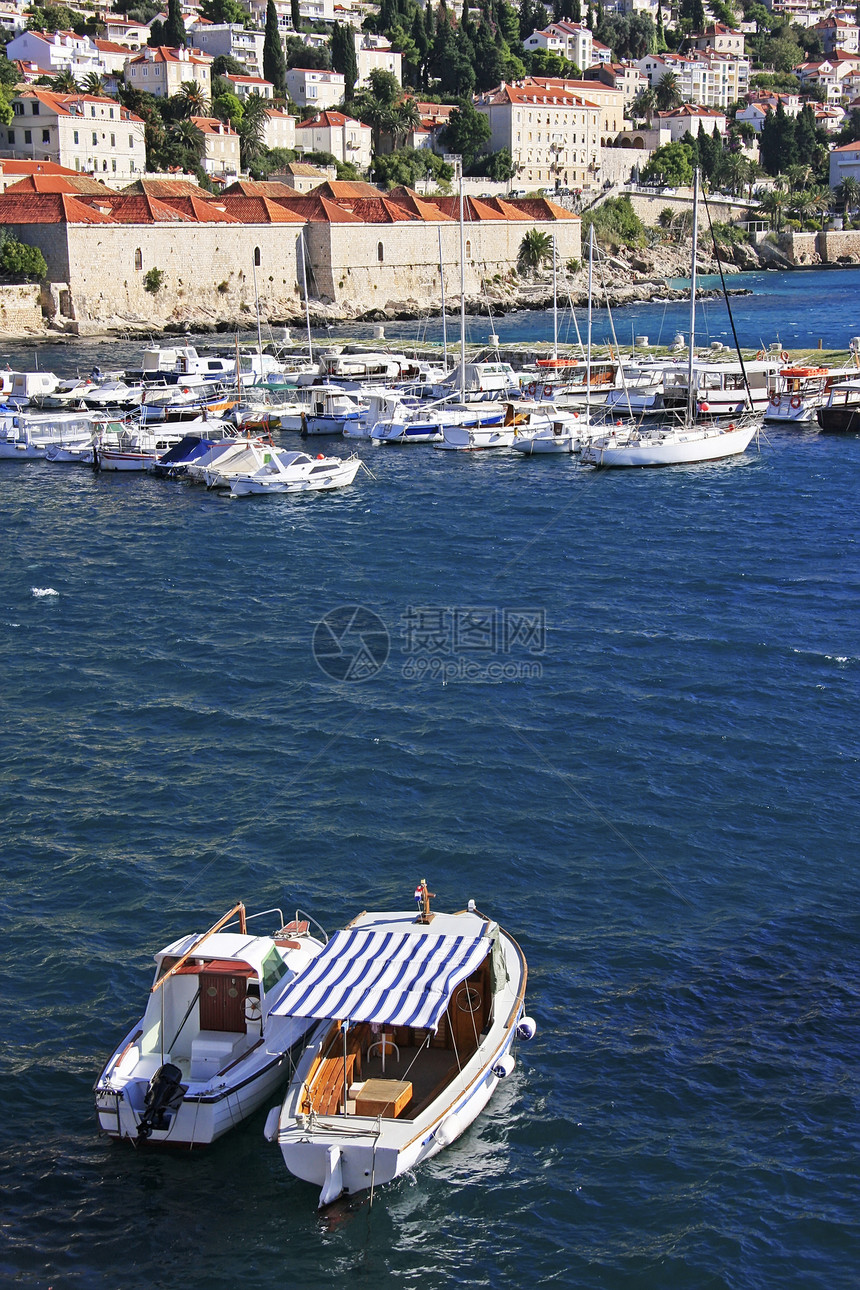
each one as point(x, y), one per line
point(418, 1017)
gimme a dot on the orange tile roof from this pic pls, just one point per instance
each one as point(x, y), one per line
point(71, 182)
point(47, 208)
point(164, 187)
point(258, 210)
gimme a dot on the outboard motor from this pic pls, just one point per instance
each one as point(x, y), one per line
point(164, 1094)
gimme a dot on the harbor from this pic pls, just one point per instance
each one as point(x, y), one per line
point(616, 709)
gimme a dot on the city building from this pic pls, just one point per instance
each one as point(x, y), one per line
point(161, 71)
point(687, 119)
point(221, 157)
point(838, 35)
point(280, 129)
point(81, 132)
point(553, 134)
point(242, 86)
point(374, 53)
point(345, 138)
point(310, 87)
point(570, 40)
point(844, 163)
point(229, 39)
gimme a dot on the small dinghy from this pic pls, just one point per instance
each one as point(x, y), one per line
point(417, 1022)
point(209, 1049)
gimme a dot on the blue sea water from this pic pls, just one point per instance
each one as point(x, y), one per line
point(619, 710)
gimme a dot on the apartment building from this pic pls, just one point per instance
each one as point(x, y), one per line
point(311, 87)
point(344, 138)
point(553, 133)
point(161, 71)
point(229, 39)
point(82, 132)
point(374, 53)
point(570, 40)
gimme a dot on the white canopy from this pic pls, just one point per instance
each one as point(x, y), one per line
point(395, 978)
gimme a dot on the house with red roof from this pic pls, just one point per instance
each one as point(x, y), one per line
point(553, 132)
point(314, 88)
point(161, 71)
point(83, 132)
point(220, 157)
point(243, 86)
point(844, 163)
point(345, 138)
point(688, 118)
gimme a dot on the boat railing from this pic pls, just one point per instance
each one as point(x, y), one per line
point(302, 917)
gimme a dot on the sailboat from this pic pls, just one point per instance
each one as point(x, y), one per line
point(689, 441)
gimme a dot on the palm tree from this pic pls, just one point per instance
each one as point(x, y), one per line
point(535, 249)
point(93, 84)
point(643, 105)
point(65, 83)
point(798, 177)
point(773, 204)
point(252, 129)
point(849, 194)
point(668, 93)
point(406, 118)
point(191, 100)
point(188, 135)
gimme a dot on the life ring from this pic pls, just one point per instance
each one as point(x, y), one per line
point(796, 401)
point(547, 391)
point(759, 356)
point(784, 356)
point(532, 389)
point(774, 398)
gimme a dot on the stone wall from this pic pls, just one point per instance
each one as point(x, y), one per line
point(370, 266)
point(834, 247)
point(800, 248)
point(21, 309)
point(649, 205)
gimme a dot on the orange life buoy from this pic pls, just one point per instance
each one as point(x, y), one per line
point(532, 388)
point(784, 356)
point(796, 401)
point(760, 355)
point(774, 398)
point(547, 391)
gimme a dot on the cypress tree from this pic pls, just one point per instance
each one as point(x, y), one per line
point(295, 15)
point(174, 28)
point(274, 62)
point(343, 57)
point(806, 136)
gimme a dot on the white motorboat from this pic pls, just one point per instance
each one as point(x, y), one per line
point(209, 1048)
point(551, 431)
point(461, 437)
point(803, 389)
point(331, 411)
point(25, 436)
point(418, 1019)
point(138, 447)
point(669, 446)
point(296, 472)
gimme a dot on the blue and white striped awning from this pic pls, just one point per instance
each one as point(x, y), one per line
point(394, 978)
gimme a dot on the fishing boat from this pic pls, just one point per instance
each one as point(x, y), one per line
point(209, 1048)
point(26, 436)
point(841, 413)
point(417, 1019)
point(296, 472)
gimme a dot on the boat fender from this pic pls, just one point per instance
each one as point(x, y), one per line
point(526, 1028)
point(731, 425)
point(450, 1129)
point(270, 1130)
point(320, 456)
point(784, 356)
point(795, 402)
point(618, 423)
point(504, 1066)
point(532, 388)
point(703, 407)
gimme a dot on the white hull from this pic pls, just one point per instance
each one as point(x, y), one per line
point(466, 439)
point(349, 1153)
point(675, 449)
point(110, 459)
point(793, 410)
point(335, 476)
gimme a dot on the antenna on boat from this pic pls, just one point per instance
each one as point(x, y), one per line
point(423, 896)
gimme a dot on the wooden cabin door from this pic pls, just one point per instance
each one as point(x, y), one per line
point(222, 1002)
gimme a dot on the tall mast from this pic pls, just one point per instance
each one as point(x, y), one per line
point(259, 331)
point(554, 299)
point(690, 391)
point(462, 291)
point(444, 320)
point(588, 342)
point(305, 289)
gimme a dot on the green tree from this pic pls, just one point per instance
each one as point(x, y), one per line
point(252, 129)
point(643, 105)
point(274, 63)
point(407, 166)
point(849, 194)
point(344, 58)
point(17, 260)
point(498, 166)
point(225, 65)
point(615, 223)
point(174, 28)
point(65, 83)
point(467, 133)
point(228, 108)
point(190, 100)
point(219, 11)
point(93, 84)
point(671, 165)
point(667, 93)
point(295, 15)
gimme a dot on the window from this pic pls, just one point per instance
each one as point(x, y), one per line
point(131, 140)
point(77, 137)
point(10, 134)
point(28, 136)
point(19, 109)
point(257, 257)
point(110, 114)
point(46, 136)
point(95, 138)
point(34, 109)
point(138, 259)
point(92, 111)
point(104, 164)
point(113, 166)
point(113, 141)
point(468, 249)
point(380, 255)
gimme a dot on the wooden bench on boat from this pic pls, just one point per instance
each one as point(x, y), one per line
point(326, 1081)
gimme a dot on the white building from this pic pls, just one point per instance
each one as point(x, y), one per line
point(229, 39)
point(161, 71)
point(553, 134)
point(374, 53)
point(570, 40)
point(844, 163)
point(687, 118)
point(221, 155)
point(80, 131)
point(280, 130)
point(711, 78)
point(836, 34)
point(310, 11)
point(344, 138)
point(242, 86)
point(311, 87)
point(56, 52)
